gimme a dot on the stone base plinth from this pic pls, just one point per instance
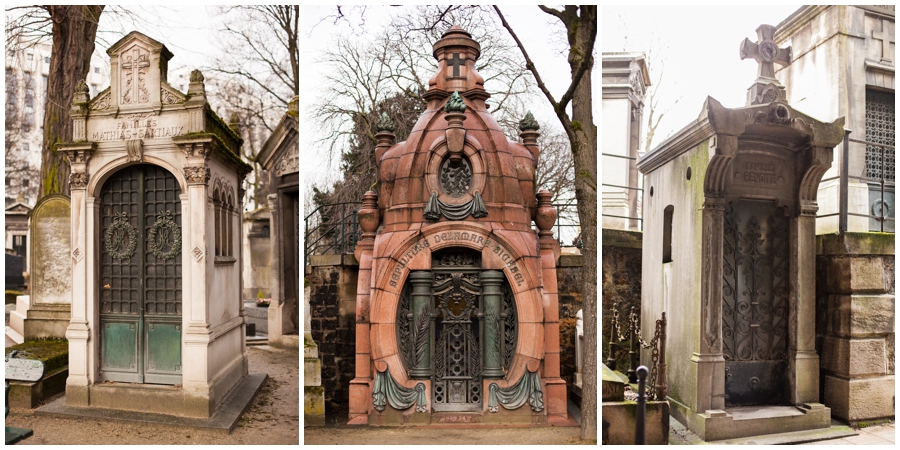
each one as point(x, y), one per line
point(45, 320)
point(739, 422)
point(860, 399)
point(313, 406)
point(619, 423)
point(29, 394)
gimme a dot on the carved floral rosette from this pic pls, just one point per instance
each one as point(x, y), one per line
point(78, 181)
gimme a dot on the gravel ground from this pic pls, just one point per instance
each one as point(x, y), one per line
point(273, 418)
point(444, 436)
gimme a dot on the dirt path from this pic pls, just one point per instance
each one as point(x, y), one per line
point(274, 417)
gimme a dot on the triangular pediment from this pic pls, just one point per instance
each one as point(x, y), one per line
point(139, 70)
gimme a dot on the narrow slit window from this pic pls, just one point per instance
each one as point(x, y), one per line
point(667, 233)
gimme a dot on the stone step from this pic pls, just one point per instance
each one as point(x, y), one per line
point(17, 326)
point(23, 302)
point(13, 334)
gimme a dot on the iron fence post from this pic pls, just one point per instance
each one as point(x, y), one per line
point(640, 435)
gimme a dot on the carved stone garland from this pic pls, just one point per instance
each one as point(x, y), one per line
point(528, 388)
point(388, 391)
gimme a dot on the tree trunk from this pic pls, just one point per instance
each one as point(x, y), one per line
point(74, 30)
point(583, 137)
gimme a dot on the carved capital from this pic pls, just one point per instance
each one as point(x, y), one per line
point(196, 150)
point(78, 180)
point(197, 174)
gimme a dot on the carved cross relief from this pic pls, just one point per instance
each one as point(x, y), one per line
point(887, 38)
point(456, 62)
point(765, 52)
point(133, 78)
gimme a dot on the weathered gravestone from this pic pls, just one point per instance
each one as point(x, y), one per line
point(729, 254)
point(46, 312)
point(156, 193)
point(457, 318)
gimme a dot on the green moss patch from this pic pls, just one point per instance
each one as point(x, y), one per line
point(54, 353)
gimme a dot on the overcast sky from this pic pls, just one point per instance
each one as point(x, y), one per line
point(701, 45)
point(548, 53)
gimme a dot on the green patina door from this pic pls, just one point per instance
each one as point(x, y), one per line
point(140, 277)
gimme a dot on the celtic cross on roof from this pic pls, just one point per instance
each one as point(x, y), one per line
point(765, 52)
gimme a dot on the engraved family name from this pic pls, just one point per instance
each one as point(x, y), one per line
point(758, 173)
point(451, 236)
point(137, 129)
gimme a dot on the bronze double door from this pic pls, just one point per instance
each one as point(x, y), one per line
point(140, 277)
point(755, 303)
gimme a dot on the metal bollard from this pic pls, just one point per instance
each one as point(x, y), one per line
point(640, 432)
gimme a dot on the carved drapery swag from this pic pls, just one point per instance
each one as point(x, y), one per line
point(437, 208)
point(527, 388)
point(388, 391)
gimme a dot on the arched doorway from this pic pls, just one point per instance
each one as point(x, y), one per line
point(140, 276)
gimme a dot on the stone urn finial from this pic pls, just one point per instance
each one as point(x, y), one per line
point(368, 216)
point(455, 134)
point(545, 214)
point(82, 93)
point(196, 86)
point(384, 135)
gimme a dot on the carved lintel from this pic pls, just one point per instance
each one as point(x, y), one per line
point(197, 174)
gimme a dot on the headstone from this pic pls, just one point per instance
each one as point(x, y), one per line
point(47, 312)
point(457, 317)
point(729, 255)
point(156, 290)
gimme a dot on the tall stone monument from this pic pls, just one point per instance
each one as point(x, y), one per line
point(729, 255)
point(456, 311)
point(157, 319)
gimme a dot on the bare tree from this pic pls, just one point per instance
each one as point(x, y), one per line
point(256, 73)
point(580, 23)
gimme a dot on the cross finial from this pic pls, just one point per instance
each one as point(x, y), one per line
point(765, 52)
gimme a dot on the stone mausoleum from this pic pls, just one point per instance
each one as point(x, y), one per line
point(729, 253)
point(456, 311)
point(157, 319)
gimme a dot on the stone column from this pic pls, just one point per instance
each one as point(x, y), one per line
point(421, 307)
point(81, 331)
point(555, 396)
point(804, 372)
point(360, 390)
point(492, 304)
point(196, 337)
point(710, 390)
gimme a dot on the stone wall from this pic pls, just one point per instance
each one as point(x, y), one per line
point(621, 252)
point(855, 324)
point(331, 280)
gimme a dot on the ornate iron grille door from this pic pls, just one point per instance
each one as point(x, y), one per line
point(457, 350)
point(755, 303)
point(880, 168)
point(140, 277)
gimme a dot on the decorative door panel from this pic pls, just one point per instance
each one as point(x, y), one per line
point(140, 276)
point(457, 359)
point(755, 303)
